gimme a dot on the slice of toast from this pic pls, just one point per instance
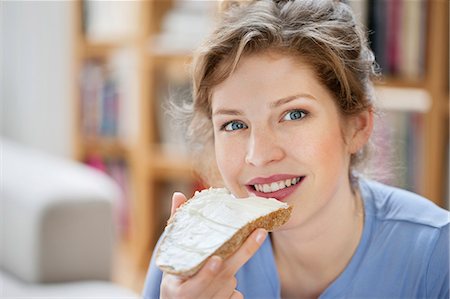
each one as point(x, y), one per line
point(214, 222)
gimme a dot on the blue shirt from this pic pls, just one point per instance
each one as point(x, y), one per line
point(403, 253)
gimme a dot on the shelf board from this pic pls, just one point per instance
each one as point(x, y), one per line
point(403, 99)
point(171, 58)
point(170, 166)
point(399, 82)
point(102, 49)
point(106, 147)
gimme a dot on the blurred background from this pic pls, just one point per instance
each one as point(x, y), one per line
point(86, 82)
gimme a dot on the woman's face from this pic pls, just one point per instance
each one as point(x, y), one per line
point(278, 133)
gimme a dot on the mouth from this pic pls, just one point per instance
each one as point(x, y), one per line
point(275, 186)
point(278, 189)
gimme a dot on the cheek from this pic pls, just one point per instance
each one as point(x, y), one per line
point(229, 157)
point(331, 146)
point(322, 144)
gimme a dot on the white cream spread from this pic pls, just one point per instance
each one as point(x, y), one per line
point(205, 222)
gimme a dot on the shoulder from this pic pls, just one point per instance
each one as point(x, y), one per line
point(414, 233)
point(437, 274)
point(406, 237)
point(388, 203)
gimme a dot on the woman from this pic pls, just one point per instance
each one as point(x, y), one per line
point(283, 103)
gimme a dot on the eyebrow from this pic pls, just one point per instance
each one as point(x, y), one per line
point(274, 104)
point(228, 112)
point(288, 99)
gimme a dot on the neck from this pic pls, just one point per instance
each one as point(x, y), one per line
point(311, 257)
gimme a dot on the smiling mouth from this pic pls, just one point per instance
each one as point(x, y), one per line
point(276, 186)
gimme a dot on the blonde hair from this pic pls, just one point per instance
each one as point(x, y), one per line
point(322, 32)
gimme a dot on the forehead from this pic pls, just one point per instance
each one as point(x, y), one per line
point(268, 76)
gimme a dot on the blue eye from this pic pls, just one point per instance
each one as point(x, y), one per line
point(294, 115)
point(234, 125)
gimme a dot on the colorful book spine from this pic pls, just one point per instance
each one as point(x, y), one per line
point(99, 101)
point(117, 169)
point(398, 150)
point(397, 34)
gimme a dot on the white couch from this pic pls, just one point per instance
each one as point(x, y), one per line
point(57, 231)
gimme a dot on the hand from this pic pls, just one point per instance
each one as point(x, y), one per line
point(216, 279)
point(178, 199)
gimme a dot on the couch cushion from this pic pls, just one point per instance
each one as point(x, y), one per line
point(14, 288)
point(57, 220)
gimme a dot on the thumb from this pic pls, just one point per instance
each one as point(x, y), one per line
point(178, 199)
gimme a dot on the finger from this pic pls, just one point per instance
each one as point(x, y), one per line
point(223, 288)
point(237, 295)
point(200, 282)
point(169, 285)
point(246, 251)
point(174, 286)
point(178, 199)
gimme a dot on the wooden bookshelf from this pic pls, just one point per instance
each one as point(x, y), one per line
point(427, 95)
point(437, 84)
point(150, 166)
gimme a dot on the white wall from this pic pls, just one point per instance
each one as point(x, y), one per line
point(36, 81)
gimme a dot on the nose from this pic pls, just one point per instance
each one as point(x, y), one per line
point(263, 148)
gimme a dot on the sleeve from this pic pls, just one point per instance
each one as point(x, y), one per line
point(153, 279)
point(438, 268)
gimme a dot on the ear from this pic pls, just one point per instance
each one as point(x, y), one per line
point(359, 129)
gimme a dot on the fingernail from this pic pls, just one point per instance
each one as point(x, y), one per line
point(214, 263)
point(261, 236)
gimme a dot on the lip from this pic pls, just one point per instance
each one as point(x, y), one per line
point(272, 178)
point(280, 195)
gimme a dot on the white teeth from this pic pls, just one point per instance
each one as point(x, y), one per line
point(281, 185)
point(275, 186)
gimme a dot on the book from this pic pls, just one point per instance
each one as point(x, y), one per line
point(397, 35)
point(124, 68)
point(398, 156)
point(173, 85)
point(412, 39)
point(91, 83)
point(184, 27)
point(110, 21)
point(109, 92)
point(361, 10)
point(377, 31)
point(117, 169)
point(393, 9)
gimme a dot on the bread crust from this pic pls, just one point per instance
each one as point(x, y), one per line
point(269, 222)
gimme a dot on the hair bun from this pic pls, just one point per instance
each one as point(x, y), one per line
point(225, 5)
